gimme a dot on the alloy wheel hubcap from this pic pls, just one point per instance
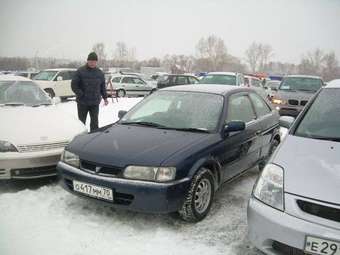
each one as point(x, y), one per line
point(203, 195)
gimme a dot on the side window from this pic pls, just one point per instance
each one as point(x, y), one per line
point(138, 81)
point(66, 76)
point(192, 80)
point(241, 80)
point(116, 80)
point(127, 80)
point(181, 80)
point(240, 108)
point(256, 83)
point(260, 105)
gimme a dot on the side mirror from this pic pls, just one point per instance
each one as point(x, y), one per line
point(59, 78)
point(286, 121)
point(121, 114)
point(234, 126)
point(56, 100)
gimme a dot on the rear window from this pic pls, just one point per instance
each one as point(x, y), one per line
point(219, 79)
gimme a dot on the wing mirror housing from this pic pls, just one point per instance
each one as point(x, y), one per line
point(286, 121)
point(121, 114)
point(234, 126)
point(59, 78)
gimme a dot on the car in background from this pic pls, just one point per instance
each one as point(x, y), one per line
point(256, 84)
point(27, 74)
point(223, 78)
point(122, 85)
point(272, 86)
point(56, 82)
point(33, 132)
point(169, 80)
point(294, 93)
point(170, 154)
point(295, 205)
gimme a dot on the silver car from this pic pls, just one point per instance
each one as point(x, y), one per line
point(295, 205)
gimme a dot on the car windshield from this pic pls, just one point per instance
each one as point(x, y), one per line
point(322, 120)
point(22, 93)
point(301, 83)
point(178, 110)
point(218, 79)
point(45, 75)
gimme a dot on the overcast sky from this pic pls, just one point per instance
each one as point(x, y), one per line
point(69, 28)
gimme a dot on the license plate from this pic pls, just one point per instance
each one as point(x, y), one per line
point(319, 246)
point(93, 190)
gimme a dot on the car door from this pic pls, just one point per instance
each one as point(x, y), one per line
point(268, 120)
point(63, 84)
point(241, 149)
point(141, 86)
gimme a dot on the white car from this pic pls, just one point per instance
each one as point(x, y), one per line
point(33, 131)
point(56, 82)
point(128, 85)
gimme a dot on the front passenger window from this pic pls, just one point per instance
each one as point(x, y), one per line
point(240, 108)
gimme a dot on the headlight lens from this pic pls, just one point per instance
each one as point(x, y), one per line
point(159, 174)
point(7, 147)
point(278, 101)
point(269, 187)
point(70, 158)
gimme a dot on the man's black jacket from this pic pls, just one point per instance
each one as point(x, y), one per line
point(89, 85)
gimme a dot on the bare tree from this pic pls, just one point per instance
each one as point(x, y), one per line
point(99, 49)
point(258, 56)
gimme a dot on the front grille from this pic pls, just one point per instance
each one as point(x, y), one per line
point(287, 250)
point(41, 147)
point(303, 102)
point(326, 212)
point(100, 169)
point(34, 172)
point(293, 102)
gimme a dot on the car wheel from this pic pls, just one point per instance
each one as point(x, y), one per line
point(121, 93)
point(199, 197)
point(50, 92)
point(273, 145)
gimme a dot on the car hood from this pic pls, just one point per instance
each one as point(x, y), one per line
point(311, 168)
point(297, 95)
point(123, 145)
point(37, 125)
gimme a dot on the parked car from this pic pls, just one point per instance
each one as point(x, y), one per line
point(294, 92)
point(272, 86)
point(170, 154)
point(255, 83)
point(223, 78)
point(33, 132)
point(27, 74)
point(56, 82)
point(169, 80)
point(295, 206)
point(128, 85)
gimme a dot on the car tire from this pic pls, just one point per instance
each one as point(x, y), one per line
point(273, 145)
point(50, 92)
point(121, 93)
point(199, 198)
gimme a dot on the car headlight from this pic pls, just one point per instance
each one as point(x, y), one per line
point(70, 159)
point(7, 147)
point(159, 174)
point(269, 187)
point(278, 101)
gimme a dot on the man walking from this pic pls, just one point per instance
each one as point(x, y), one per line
point(88, 84)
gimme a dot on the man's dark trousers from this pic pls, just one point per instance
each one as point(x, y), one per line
point(84, 109)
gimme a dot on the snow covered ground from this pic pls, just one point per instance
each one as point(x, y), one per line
point(39, 217)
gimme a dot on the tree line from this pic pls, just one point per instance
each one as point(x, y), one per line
point(211, 54)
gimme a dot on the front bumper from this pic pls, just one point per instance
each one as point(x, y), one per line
point(133, 195)
point(288, 110)
point(28, 165)
point(269, 229)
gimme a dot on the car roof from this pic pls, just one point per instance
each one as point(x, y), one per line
point(333, 84)
point(222, 73)
point(60, 69)
point(208, 88)
point(189, 75)
point(303, 76)
point(9, 77)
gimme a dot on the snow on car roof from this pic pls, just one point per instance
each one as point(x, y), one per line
point(207, 88)
point(222, 73)
point(8, 77)
point(334, 84)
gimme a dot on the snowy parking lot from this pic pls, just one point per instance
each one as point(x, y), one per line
point(39, 217)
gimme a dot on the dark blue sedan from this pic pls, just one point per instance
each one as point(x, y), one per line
point(173, 150)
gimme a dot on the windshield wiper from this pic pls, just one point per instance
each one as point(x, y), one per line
point(13, 104)
point(36, 105)
point(142, 123)
point(198, 130)
point(335, 139)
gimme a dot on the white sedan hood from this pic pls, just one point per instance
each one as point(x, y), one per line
point(37, 125)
